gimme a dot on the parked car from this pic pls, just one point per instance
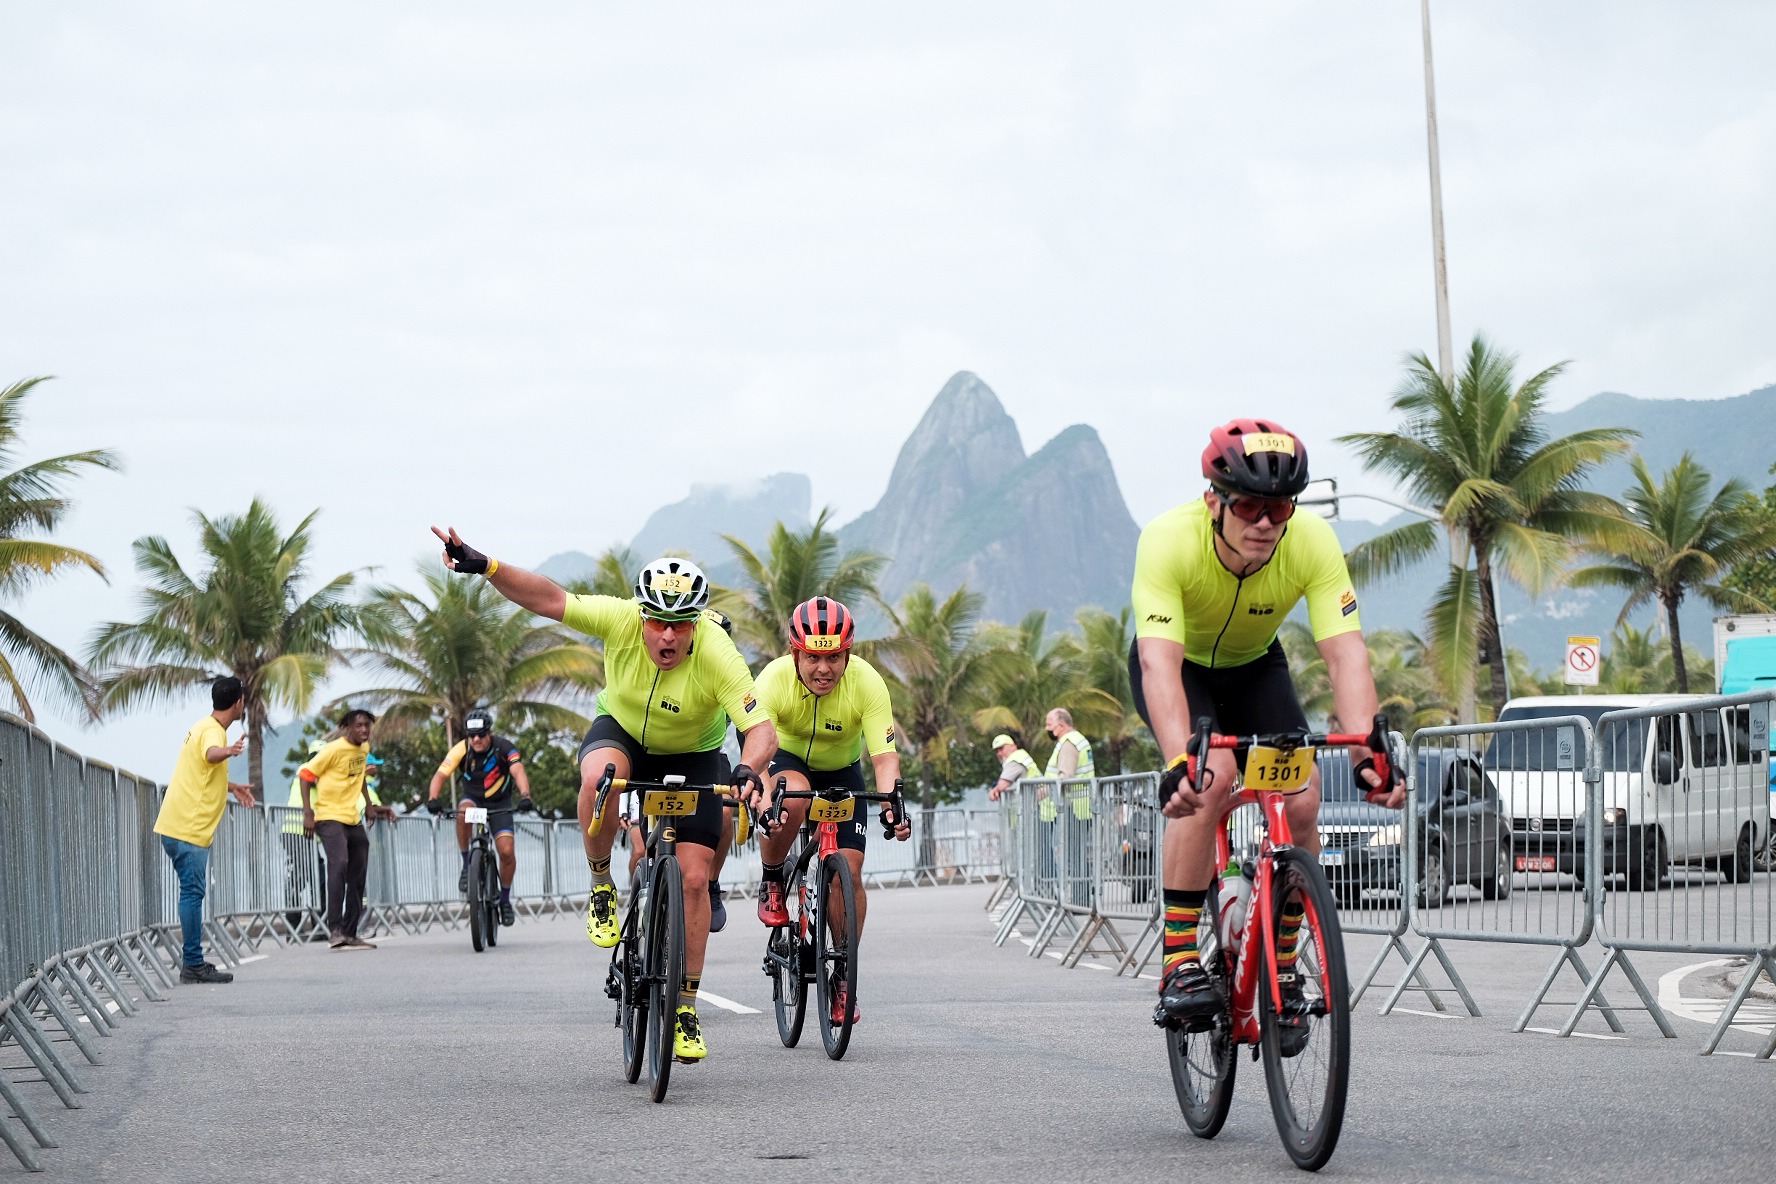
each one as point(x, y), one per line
point(1689, 786)
point(1464, 831)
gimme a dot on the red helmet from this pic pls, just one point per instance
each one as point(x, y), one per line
point(1256, 456)
point(821, 626)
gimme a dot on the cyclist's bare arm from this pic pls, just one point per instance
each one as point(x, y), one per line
point(437, 785)
point(758, 744)
point(1353, 696)
point(521, 778)
point(526, 589)
point(887, 766)
point(1162, 683)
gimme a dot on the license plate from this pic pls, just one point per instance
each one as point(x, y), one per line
point(474, 814)
point(678, 802)
point(822, 810)
point(1279, 771)
point(1332, 859)
point(1537, 863)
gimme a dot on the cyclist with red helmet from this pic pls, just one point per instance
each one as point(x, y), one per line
point(1214, 580)
point(830, 706)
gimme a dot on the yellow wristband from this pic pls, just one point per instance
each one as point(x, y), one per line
point(492, 567)
point(1180, 759)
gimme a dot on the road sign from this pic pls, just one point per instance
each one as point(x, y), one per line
point(1584, 659)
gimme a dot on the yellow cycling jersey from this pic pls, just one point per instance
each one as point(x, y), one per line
point(685, 709)
point(828, 732)
point(1183, 593)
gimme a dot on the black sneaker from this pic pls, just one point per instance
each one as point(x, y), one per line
point(1187, 993)
point(462, 881)
point(1295, 1021)
point(718, 909)
point(204, 973)
point(508, 914)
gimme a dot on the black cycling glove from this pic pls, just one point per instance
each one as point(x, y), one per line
point(467, 560)
point(526, 806)
point(435, 805)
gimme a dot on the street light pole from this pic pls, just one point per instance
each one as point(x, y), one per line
point(1445, 347)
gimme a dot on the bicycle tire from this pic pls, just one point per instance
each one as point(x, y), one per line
point(1205, 1063)
point(833, 967)
point(1308, 1090)
point(789, 983)
point(490, 887)
point(477, 914)
point(665, 953)
point(632, 1003)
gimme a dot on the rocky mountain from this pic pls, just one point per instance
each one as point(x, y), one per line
point(695, 525)
point(965, 504)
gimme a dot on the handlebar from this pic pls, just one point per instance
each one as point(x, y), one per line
point(890, 817)
point(609, 782)
point(1204, 739)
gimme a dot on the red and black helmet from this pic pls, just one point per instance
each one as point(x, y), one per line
point(821, 626)
point(1259, 457)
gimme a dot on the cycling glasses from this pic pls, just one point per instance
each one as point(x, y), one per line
point(662, 622)
point(1251, 509)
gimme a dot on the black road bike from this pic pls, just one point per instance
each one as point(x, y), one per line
point(817, 946)
point(647, 963)
point(484, 885)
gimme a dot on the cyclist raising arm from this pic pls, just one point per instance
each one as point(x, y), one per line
point(670, 675)
point(830, 706)
point(1214, 580)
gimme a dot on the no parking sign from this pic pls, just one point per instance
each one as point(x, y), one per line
point(1584, 660)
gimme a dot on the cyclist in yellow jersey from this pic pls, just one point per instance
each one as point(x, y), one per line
point(1214, 580)
point(829, 706)
point(670, 675)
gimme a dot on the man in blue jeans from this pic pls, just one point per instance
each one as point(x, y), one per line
point(191, 811)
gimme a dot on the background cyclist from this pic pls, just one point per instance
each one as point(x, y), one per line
point(486, 767)
point(672, 681)
point(1214, 579)
point(829, 705)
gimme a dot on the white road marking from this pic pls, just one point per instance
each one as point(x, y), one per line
point(254, 958)
point(1754, 1016)
point(1586, 1035)
point(727, 1004)
point(1439, 1015)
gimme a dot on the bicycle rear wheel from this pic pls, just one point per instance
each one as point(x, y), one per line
point(665, 969)
point(1203, 1061)
point(477, 914)
point(836, 964)
point(1306, 1049)
point(785, 957)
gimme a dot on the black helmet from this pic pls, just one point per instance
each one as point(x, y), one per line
point(478, 723)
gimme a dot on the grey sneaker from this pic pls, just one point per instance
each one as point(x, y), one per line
point(204, 972)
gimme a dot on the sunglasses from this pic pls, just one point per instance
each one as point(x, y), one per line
point(1251, 509)
point(663, 623)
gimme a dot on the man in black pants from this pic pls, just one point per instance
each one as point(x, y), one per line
point(335, 800)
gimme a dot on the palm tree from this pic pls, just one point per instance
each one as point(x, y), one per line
point(613, 575)
point(1508, 496)
point(1103, 664)
point(1637, 664)
point(462, 645)
point(32, 499)
point(798, 565)
point(1675, 540)
point(938, 672)
point(242, 615)
point(1030, 674)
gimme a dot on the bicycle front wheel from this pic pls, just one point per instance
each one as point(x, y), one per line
point(665, 969)
point(490, 892)
point(477, 911)
point(1306, 1045)
point(1202, 1053)
point(836, 960)
point(785, 957)
point(632, 998)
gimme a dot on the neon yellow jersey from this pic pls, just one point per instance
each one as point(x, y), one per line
point(685, 709)
point(1183, 593)
point(829, 732)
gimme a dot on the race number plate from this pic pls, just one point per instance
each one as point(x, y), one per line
point(474, 814)
point(822, 810)
point(1279, 771)
point(674, 802)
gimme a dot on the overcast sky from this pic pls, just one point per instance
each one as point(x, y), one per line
point(534, 269)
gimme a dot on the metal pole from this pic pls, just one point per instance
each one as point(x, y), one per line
point(1445, 350)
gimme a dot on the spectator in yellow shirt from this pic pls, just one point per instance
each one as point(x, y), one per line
point(191, 811)
point(335, 800)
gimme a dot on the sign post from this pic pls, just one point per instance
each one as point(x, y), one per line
point(1584, 661)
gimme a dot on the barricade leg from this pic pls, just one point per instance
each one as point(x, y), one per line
point(1568, 955)
point(35, 1042)
point(126, 1003)
point(1149, 932)
point(1594, 990)
point(26, 1154)
point(1759, 964)
point(51, 997)
point(1394, 946)
point(150, 958)
point(1415, 973)
point(222, 944)
point(1009, 921)
point(96, 1013)
point(136, 971)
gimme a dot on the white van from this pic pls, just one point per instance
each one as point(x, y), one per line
point(1688, 787)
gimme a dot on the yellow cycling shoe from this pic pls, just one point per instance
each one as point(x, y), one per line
point(687, 1041)
point(601, 916)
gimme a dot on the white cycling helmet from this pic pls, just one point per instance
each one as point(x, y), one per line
point(672, 589)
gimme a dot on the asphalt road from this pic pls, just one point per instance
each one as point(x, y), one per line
point(425, 1061)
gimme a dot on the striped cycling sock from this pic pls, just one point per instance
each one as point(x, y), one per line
point(687, 990)
point(1182, 912)
point(601, 871)
point(1289, 936)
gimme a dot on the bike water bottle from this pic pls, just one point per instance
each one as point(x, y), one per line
point(1236, 895)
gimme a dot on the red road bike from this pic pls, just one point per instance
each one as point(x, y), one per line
point(1296, 1017)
